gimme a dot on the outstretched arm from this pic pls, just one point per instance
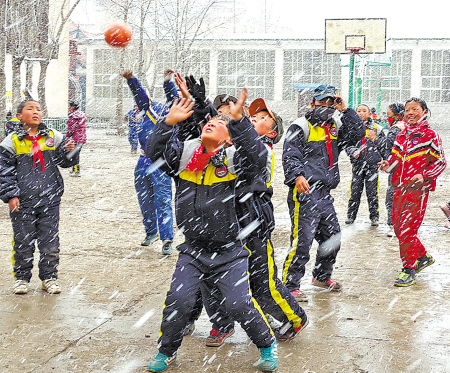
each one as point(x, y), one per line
point(161, 148)
point(139, 94)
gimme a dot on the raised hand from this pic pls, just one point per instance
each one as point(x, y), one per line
point(180, 110)
point(197, 90)
point(237, 108)
point(181, 83)
point(127, 74)
point(168, 75)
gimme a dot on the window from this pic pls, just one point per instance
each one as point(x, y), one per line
point(105, 80)
point(435, 76)
point(309, 67)
point(396, 87)
point(194, 62)
point(254, 69)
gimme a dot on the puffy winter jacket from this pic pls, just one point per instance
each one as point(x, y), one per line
point(417, 150)
point(307, 152)
point(76, 127)
point(24, 177)
point(204, 200)
point(370, 152)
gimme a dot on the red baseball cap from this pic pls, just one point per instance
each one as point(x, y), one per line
point(259, 105)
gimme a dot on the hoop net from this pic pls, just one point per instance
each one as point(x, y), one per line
point(355, 50)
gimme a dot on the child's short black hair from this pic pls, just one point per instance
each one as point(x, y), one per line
point(420, 101)
point(75, 104)
point(397, 108)
point(367, 106)
point(22, 105)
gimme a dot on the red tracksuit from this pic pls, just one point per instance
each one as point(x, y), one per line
point(418, 150)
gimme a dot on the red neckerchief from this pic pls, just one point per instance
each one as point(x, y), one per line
point(326, 127)
point(199, 159)
point(37, 152)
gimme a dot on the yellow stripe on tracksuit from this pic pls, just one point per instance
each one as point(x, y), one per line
point(13, 260)
point(294, 235)
point(151, 116)
point(282, 303)
point(272, 171)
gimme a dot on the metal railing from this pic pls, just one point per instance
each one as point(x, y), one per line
point(59, 124)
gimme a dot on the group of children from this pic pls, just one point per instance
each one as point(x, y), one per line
point(221, 159)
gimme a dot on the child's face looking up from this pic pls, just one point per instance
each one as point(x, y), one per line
point(216, 130)
point(224, 110)
point(263, 123)
point(31, 114)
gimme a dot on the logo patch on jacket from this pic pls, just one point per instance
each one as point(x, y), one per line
point(415, 140)
point(333, 131)
point(50, 142)
point(221, 172)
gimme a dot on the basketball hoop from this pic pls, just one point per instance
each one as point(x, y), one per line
point(355, 50)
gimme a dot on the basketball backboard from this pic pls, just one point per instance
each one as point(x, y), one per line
point(356, 35)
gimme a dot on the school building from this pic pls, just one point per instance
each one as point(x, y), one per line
point(277, 69)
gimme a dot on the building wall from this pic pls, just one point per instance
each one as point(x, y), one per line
point(270, 68)
point(57, 73)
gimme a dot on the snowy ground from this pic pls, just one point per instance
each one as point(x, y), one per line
point(108, 315)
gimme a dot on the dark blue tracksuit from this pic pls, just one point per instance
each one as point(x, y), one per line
point(153, 186)
point(38, 185)
point(255, 212)
point(365, 170)
point(312, 151)
point(212, 256)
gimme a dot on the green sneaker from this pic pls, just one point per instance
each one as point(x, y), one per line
point(424, 262)
point(406, 277)
point(269, 358)
point(161, 362)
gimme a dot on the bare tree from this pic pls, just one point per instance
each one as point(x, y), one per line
point(50, 50)
point(122, 8)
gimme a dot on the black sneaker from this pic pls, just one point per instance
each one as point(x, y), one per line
point(374, 222)
point(349, 221)
point(406, 277)
point(424, 262)
point(284, 334)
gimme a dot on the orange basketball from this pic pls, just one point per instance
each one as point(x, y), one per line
point(118, 34)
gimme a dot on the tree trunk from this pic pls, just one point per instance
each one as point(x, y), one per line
point(16, 80)
point(119, 105)
point(41, 87)
point(29, 80)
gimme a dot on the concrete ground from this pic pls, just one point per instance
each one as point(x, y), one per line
point(107, 317)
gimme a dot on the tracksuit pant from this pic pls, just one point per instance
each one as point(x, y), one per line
point(133, 137)
point(312, 217)
point(368, 176)
point(200, 268)
point(389, 200)
point(76, 168)
point(407, 215)
point(154, 193)
point(267, 289)
point(30, 226)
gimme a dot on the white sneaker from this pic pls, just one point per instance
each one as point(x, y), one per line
point(20, 287)
point(51, 286)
